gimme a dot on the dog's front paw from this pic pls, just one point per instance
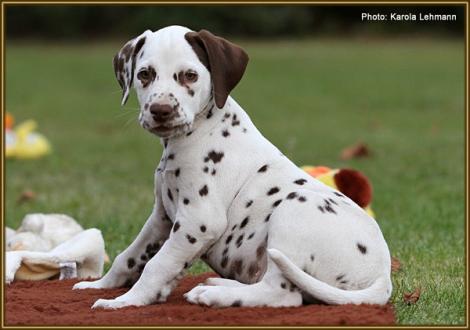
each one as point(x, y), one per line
point(113, 303)
point(89, 285)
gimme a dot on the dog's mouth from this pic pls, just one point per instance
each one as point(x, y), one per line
point(166, 130)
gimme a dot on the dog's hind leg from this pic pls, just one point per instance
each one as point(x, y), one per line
point(273, 291)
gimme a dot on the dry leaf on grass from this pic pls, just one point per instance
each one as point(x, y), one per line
point(355, 151)
point(412, 297)
point(26, 196)
point(396, 265)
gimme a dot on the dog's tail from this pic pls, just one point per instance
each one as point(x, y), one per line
point(378, 293)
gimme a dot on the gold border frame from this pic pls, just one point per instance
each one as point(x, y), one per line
point(236, 2)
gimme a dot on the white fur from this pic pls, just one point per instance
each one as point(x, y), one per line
point(304, 223)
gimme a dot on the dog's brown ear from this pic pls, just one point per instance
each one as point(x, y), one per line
point(124, 63)
point(225, 61)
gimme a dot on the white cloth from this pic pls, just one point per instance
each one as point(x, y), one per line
point(86, 249)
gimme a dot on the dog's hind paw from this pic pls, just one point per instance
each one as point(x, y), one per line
point(212, 296)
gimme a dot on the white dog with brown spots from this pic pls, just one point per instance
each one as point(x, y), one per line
point(224, 193)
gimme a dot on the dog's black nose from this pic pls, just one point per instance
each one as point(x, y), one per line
point(161, 112)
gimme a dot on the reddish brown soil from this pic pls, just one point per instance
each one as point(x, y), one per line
point(54, 303)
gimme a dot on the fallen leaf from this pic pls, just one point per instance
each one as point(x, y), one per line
point(412, 297)
point(396, 265)
point(355, 151)
point(26, 196)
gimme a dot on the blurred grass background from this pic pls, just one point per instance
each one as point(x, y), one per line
point(403, 97)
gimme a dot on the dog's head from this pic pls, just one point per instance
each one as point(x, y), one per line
point(177, 74)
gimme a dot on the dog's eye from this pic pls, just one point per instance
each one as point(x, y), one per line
point(190, 76)
point(143, 75)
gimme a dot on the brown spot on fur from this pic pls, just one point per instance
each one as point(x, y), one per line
point(224, 262)
point(362, 248)
point(170, 195)
point(273, 190)
point(210, 113)
point(191, 239)
point(237, 303)
point(239, 240)
point(263, 169)
point(260, 251)
point(130, 263)
point(292, 195)
point(214, 156)
point(253, 269)
point(237, 267)
point(204, 191)
point(300, 181)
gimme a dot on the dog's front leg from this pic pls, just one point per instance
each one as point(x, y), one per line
point(129, 264)
point(192, 234)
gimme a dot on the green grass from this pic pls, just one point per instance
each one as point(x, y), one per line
point(405, 99)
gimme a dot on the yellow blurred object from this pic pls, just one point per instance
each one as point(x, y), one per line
point(23, 143)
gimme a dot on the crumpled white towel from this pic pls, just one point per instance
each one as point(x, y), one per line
point(86, 249)
point(42, 232)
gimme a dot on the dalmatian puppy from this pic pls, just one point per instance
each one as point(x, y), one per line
point(226, 195)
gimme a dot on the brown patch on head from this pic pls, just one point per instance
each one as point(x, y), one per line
point(126, 51)
point(225, 61)
point(124, 64)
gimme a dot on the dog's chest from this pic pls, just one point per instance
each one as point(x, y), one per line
point(168, 181)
